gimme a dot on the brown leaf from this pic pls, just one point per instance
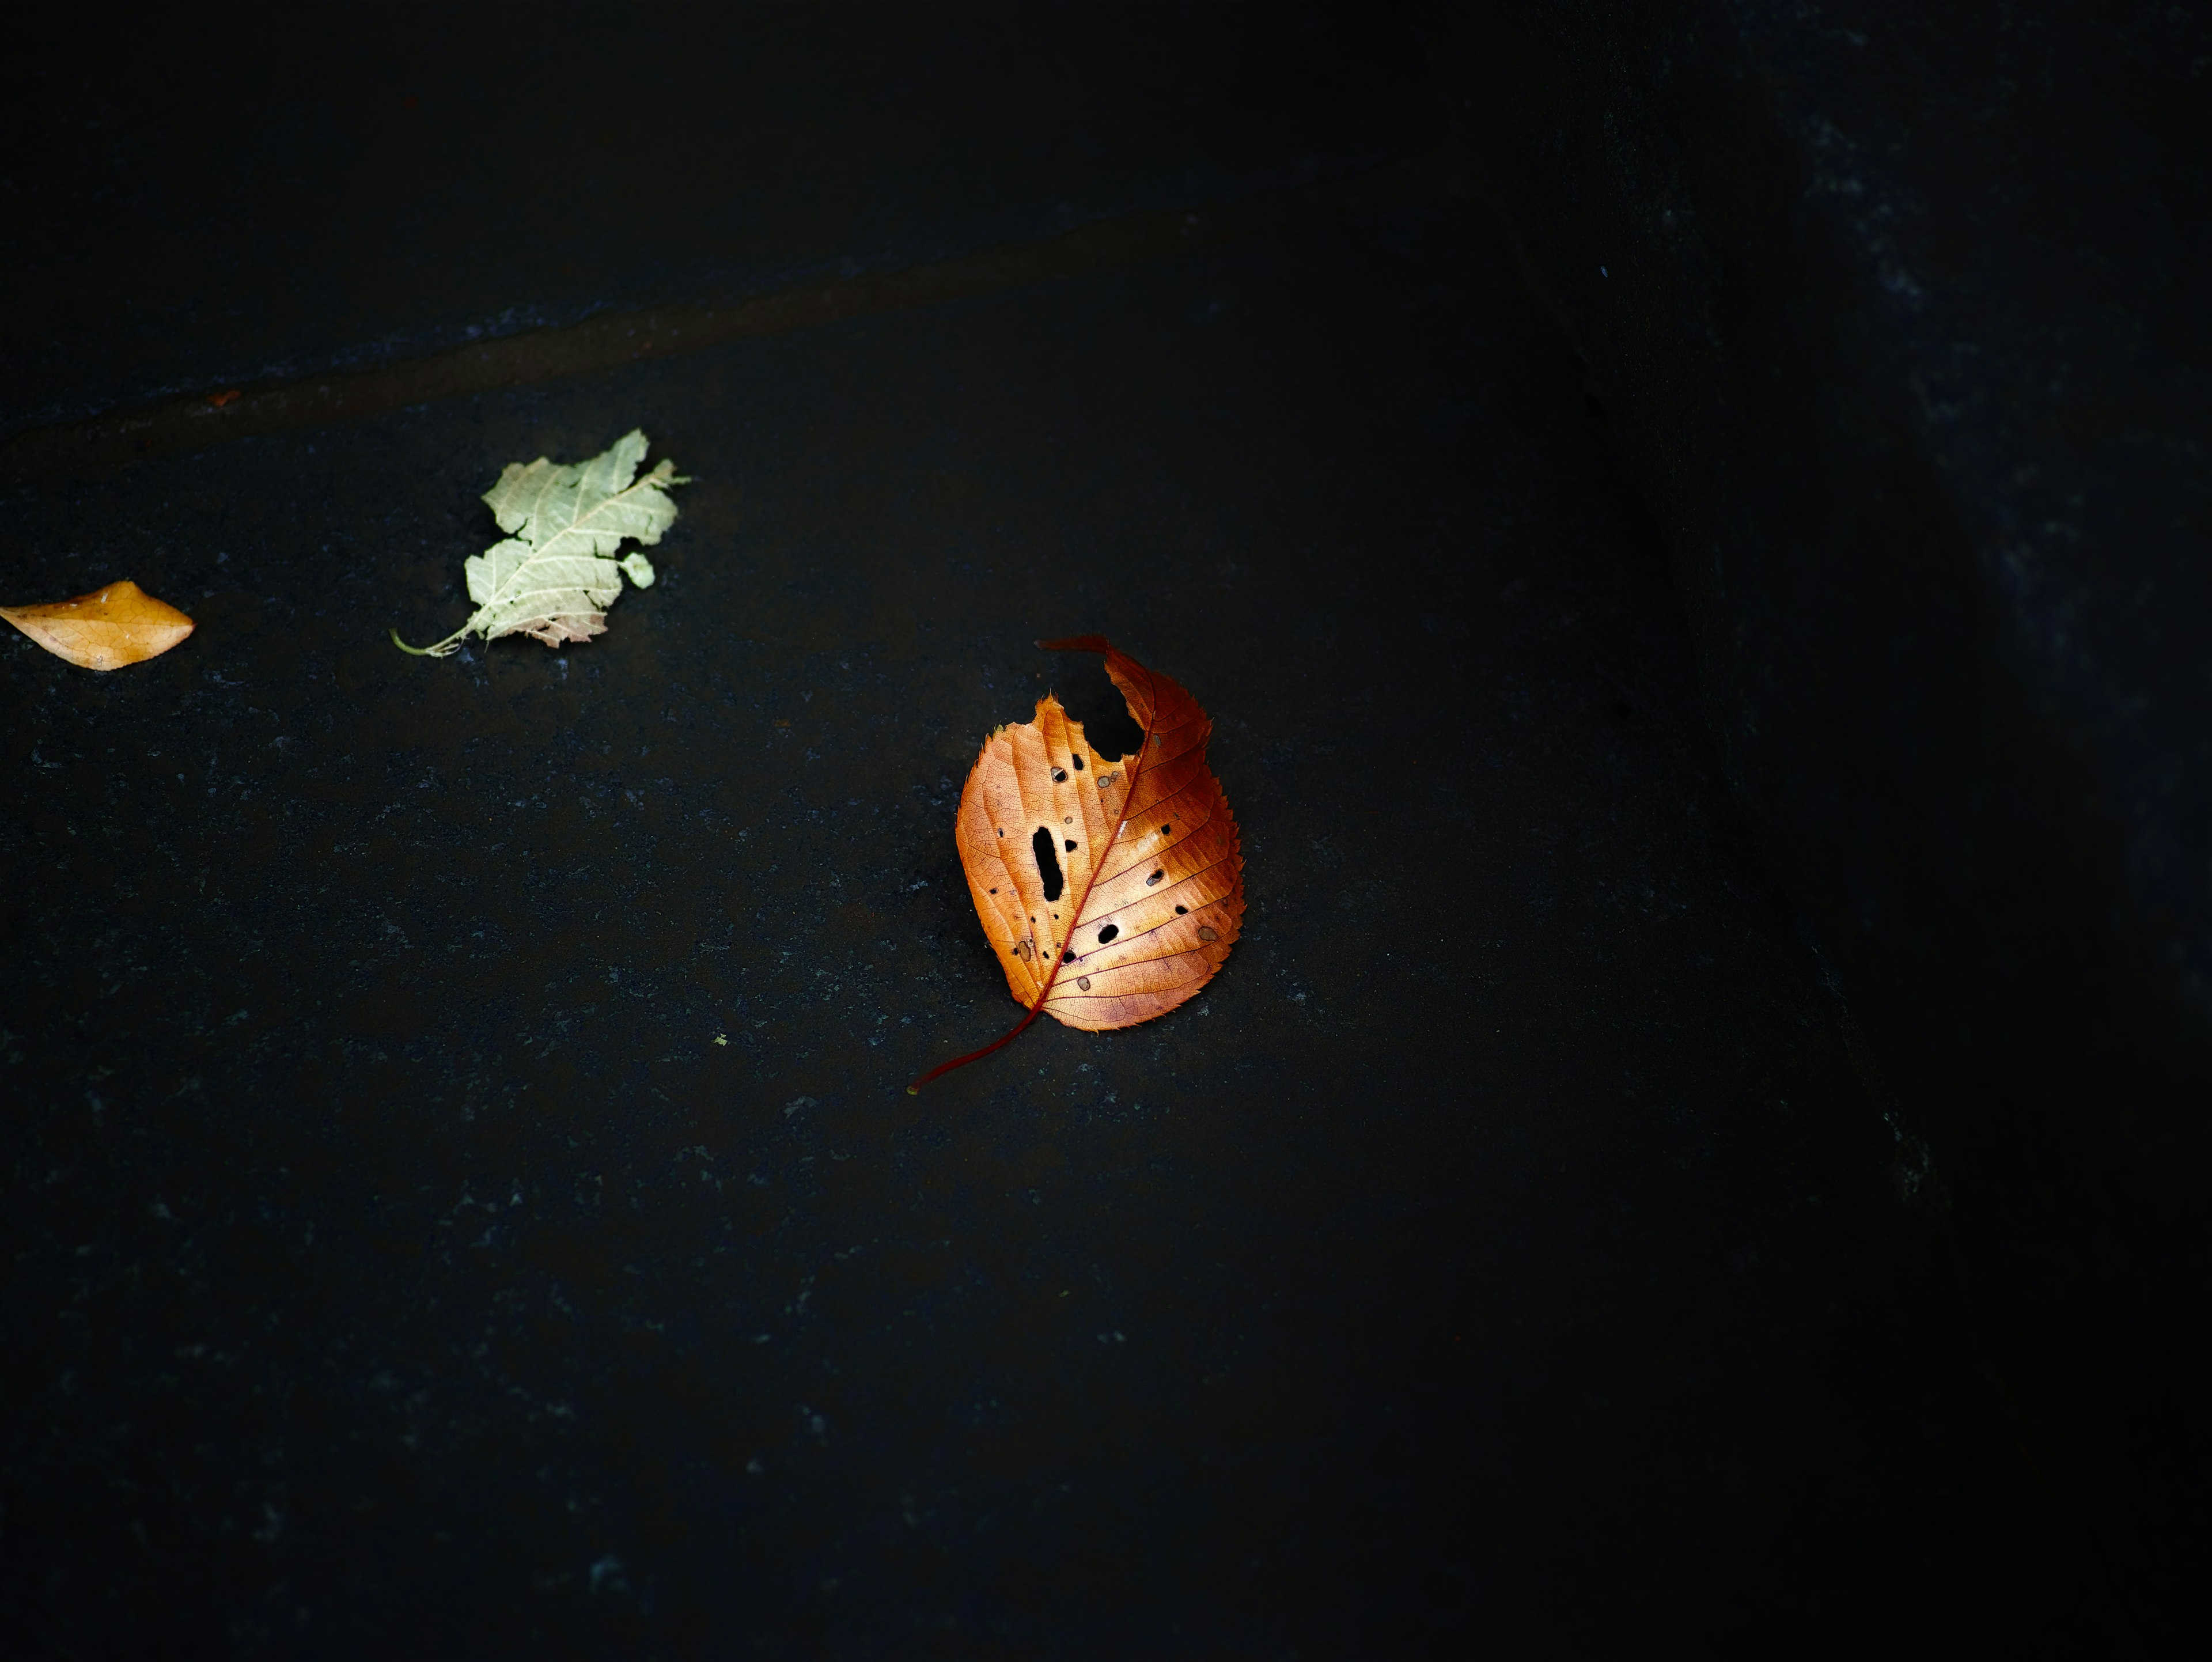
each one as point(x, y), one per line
point(569, 626)
point(1111, 888)
point(117, 625)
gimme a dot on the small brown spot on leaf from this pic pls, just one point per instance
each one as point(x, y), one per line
point(1205, 933)
point(1083, 983)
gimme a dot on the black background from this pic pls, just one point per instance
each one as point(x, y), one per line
point(461, 1193)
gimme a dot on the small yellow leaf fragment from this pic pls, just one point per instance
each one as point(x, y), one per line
point(116, 624)
point(722, 1038)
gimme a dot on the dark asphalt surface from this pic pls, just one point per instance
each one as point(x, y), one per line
point(1499, 1244)
point(461, 1197)
point(198, 198)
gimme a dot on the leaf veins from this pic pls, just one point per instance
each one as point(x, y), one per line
point(1111, 888)
point(555, 576)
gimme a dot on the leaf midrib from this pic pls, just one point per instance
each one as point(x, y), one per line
point(1122, 823)
point(507, 591)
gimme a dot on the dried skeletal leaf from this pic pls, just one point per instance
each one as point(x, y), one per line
point(1111, 888)
point(117, 625)
point(555, 576)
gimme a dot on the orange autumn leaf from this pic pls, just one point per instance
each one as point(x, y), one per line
point(1111, 888)
point(116, 624)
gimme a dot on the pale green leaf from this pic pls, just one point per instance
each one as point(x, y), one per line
point(555, 576)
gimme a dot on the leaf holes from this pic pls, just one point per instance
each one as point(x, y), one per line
point(1071, 845)
point(1167, 830)
point(1109, 933)
point(1149, 881)
point(995, 891)
point(1067, 957)
point(1059, 776)
point(1077, 762)
point(1180, 910)
point(1048, 864)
